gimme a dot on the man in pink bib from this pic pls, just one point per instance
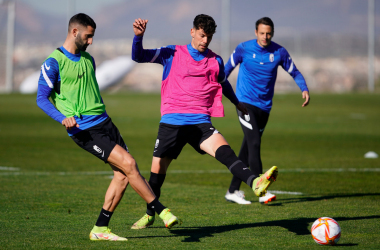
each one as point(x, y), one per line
point(193, 83)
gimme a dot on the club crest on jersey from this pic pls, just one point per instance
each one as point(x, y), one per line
point(271, 57)
point(157, 142)
point(97, 149)
point(254, 55)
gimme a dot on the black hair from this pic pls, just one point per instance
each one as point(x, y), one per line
point(83, 20)
point(206, 23)
point(265, 21)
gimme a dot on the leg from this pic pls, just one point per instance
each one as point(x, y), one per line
point(253, 127)
point(243, 156)
point(168, 146)
point(113, 196)
point(115, 190)
point(217, 147)
point(157, 178)
point(122, 160)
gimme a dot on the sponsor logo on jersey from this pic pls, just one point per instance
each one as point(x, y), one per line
point(80, 76)
point(97, 149)
point(157, 142)
point(271, 57)
point(47, 66)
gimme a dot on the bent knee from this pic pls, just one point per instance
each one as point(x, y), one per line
point(129, 166)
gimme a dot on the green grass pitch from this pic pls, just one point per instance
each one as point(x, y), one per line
point(51, 191)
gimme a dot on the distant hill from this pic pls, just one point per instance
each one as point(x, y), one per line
point(173, 19)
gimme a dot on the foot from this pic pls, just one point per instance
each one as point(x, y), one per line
point(262, 183)
point(169, 219)
point(104, 233)
point(144, 222)
point(268, 197)
point(237, 197)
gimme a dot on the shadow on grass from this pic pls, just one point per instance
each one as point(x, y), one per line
point(298, 226)
point(324, 197)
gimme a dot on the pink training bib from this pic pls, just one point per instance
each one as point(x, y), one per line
point(191, 86)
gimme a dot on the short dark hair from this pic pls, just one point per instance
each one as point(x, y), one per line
point(83, 20)
point(206, 23)
point(265, 21)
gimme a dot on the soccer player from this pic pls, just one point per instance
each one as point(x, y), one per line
point(193, 83)
point(259, 60)
point(68, 77)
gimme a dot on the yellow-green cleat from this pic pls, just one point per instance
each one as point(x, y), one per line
point(262, 183)
point(104, 233)
point(144, 222)
point(169, 219)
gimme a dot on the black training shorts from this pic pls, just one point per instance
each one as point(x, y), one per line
point(172, 138)
point(100, 139)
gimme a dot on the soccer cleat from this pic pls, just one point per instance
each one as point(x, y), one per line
point(262, 183)
point(169, 219)
point(104, 233)
point(146, 221)
point(268, 197)
point(237, 197)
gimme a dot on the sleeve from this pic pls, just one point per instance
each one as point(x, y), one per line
point(235, 59)
point(48, 78)
point(289, 66)
point(226, 86)
point(161, 55)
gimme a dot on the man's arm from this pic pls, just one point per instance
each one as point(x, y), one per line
point(288, 65)
point(139, 54)
point(227, 88)
point(234, 60)
point(48, 78)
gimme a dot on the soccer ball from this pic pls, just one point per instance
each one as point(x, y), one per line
point(325, 231)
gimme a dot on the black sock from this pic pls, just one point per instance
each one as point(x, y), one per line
point(226, 155)
point(157, 206)
point(155, 182)
point(104, 218)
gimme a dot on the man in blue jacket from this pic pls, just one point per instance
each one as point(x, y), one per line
point(259, 60)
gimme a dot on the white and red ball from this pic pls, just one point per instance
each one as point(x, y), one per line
point(325, 231)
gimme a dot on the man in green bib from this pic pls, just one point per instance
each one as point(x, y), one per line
point(68, 78)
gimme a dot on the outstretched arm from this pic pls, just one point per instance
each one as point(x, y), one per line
point(290, 67)
point(141, 55)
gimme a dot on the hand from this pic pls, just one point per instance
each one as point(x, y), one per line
point(139, 26)
point(305, 94)
point(69, 123)
point(242, 108)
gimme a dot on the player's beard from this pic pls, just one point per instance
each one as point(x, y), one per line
point(81, 45)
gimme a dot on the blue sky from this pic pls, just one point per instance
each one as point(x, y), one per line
point(57, 7)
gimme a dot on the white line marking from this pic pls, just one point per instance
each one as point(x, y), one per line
point(9, 168)
point(285, 192)
point(213, 171)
